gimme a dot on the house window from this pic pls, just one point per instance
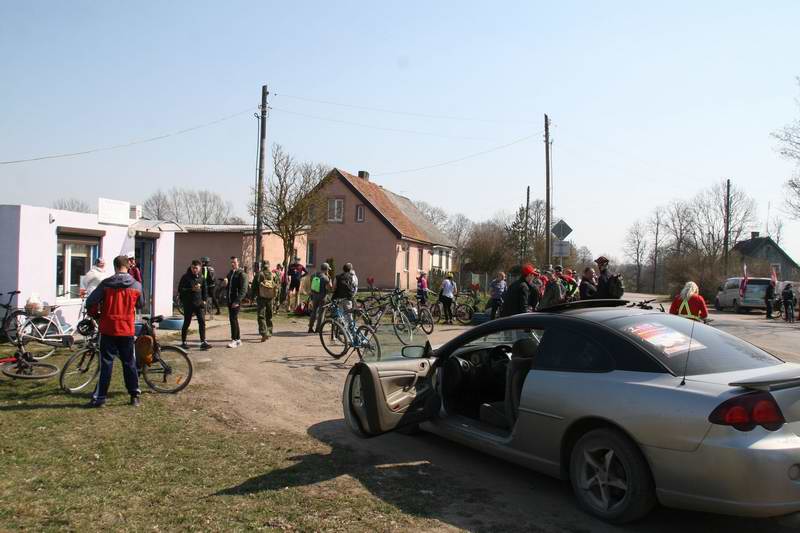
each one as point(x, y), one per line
point(359, 213)
point(441, 263)
point(449, 265)
point(311, 253)
point(335, 209)
point(406, 257)
point(74, 258)
point(420, 260)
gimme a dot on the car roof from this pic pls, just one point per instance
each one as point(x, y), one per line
point(604, 314)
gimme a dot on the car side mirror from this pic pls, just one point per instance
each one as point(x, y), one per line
point(413, 352)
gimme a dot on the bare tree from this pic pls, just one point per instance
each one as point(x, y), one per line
point(291, 205)
point(775, 229)
point(679, 222)
point(656, 227)
point(636, 248)
point(459, 229)
point(72, 204)
point(709, 212)
point(187, 206)
point(235, 220)
point(792, 200)
point(436, 215)
point(486, 248)
point(789, 137)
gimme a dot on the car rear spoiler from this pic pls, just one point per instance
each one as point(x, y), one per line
point(784, 379)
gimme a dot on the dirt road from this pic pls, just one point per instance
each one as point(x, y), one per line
point(289, 383)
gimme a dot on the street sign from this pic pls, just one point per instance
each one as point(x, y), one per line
point(561, 230)
point(561, 249)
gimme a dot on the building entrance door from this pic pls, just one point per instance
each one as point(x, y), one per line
point(145, 257)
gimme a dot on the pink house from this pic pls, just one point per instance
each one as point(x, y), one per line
point(382, 233)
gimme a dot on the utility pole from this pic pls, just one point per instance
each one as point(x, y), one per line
point(262, 156)
point(527, 225)
point(726, 244)
point(547, 221)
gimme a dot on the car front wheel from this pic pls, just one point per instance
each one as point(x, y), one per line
point(610, 477)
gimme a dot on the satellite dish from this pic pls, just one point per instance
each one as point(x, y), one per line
point(131, 232)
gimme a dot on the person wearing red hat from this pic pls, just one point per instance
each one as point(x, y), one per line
point(517, 298)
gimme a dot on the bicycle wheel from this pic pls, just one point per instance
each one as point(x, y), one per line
point(170, 372)
point(12, 323)
point(34, 331)
point(26, 370)
point(425, 320)
point(369, 347)
point(402, 327)
point(464, 314)
point(81, 369)
point(436, 312)
point(334, 338)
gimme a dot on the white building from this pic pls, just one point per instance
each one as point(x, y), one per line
point(46, 251)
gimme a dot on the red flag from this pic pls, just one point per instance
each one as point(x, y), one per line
point(743, 284)
point(774, 278)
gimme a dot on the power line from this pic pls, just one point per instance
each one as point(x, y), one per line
point(406, 113)
point(132, 143)
point(451, 161)
point(382, 128)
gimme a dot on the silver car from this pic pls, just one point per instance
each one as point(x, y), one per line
point(634, 407)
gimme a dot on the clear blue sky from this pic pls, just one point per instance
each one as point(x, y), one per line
point(649, 102)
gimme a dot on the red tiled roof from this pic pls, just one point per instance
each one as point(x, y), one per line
point(382, 202)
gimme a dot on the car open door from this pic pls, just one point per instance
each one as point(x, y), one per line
point(383, 396)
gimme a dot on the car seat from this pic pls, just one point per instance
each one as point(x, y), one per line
point(522, 354)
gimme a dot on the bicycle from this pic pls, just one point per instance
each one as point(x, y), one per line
point(12, 319)
point(404, 321)
point(419, 316)
point(168, 370)
point(465, 310)
point(25, 366)
point(340, 334)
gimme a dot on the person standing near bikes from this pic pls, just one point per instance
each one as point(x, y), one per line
point(114, 303)
point(133, 270)
point(497, 288)
point(518, 295)
point(447, 295)
point(345, 286)
point(422, 289)
point(209, 275)
point(295, 273)
point(320, 285)
point(193, 291)
point(265, 289)
point(236, 286)
point(789, 301)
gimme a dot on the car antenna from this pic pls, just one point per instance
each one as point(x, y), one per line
point(688, 354)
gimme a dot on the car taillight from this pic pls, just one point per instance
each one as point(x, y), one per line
point(747, 411)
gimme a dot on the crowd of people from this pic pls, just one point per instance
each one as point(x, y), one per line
point(536, 290)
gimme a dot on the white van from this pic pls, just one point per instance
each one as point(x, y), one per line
point(728, 296)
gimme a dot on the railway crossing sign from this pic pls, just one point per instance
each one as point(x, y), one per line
point(561, 230)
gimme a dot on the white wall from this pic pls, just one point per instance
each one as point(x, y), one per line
point(9, 243)
point(37, 247)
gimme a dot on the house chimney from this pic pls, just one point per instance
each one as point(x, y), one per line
point(754, 234)
point(364, 175)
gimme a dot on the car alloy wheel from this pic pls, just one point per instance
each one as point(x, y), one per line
point(610, 477)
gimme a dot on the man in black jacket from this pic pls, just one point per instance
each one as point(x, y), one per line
point(603, 280)
point(518, 293)
point(588, 286)
point(194, 293)
point(236, 288)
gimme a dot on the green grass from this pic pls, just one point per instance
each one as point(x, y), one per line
point(183, 462)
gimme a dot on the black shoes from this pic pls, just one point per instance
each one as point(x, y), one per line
point(135, 402)
point(185, 345)
point(94, 404)
point(205, 346)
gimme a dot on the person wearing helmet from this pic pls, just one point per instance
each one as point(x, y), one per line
point(208, 274)
point(603, 278)
point(320, 285)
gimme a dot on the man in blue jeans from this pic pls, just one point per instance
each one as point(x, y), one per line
point(114, 302)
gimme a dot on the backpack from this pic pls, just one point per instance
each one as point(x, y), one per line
point(266, 287)
point(616, 286)
point(316, 281)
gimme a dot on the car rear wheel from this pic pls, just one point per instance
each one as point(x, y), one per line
point(610, 477)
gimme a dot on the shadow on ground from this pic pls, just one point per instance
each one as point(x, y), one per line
point(430, 477)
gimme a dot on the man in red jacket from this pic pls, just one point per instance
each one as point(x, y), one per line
point(114, 302)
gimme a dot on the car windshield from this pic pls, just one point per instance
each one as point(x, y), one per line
point(669, 338)
point(508, 336)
